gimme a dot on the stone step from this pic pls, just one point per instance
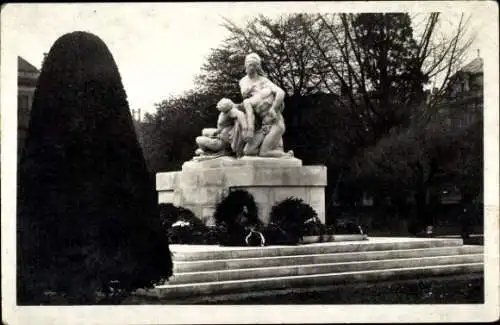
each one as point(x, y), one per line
point(282, 296)
point(211, 252)
point(220, 287)
point(243, 263)
point(294, 270)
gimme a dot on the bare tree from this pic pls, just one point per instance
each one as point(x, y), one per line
point(443, 47)
point(371, 56)
point(288, 53)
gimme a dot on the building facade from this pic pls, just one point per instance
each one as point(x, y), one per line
point(464, 94)
point(27, 79)
point(461, 106)
point(468, 80)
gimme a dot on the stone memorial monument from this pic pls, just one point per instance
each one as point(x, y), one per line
point(245, 151)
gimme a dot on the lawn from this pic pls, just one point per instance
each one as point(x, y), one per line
point(463, 289)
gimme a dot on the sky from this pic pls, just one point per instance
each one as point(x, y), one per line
point(158, 47)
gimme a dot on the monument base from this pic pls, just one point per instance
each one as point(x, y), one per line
point(205, 272)
point(201, 184)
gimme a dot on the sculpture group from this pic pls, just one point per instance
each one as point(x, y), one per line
point(254, 127)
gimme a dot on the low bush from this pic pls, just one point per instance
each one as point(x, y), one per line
point(185, 233)
point(183, 227)
point(314, 227)
point(235, 215)
point(169, 214)
point(330, 229)
point(237, 223)
point(347, 227)
point(290, 220)
point(275, 235)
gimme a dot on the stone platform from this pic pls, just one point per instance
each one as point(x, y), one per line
point(201, 271)
point(200, 185)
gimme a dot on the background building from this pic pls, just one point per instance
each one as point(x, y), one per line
point(461, 106)
point(464, 94)
point(468, 80)
point(27, 79)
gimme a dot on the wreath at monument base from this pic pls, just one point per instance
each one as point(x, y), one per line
point(255, 238)
point(236, 215)
point(290, 220)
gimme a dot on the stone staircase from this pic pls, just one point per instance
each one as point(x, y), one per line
point(202, 271)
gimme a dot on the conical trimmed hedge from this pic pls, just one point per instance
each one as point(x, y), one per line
point(87, 207)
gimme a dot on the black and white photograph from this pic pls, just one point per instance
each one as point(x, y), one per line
point(250, 162)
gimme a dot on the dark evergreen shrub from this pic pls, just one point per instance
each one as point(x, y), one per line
point(314, 227)
point(235, 214)
point(214, 235)
point(330, 229)
point(275, 235)
point(87, 206)
point(287, 221)
point(185, 232)
point(183, 227)
point(347, 227)
point(170, 213)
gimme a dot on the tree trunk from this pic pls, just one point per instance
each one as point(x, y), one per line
point(420, 202)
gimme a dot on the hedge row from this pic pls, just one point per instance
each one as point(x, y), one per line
point(237, 223)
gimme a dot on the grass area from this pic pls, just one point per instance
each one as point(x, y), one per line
point(466, 290)
point(463, 289)
point(475, 238)
point(400, 227)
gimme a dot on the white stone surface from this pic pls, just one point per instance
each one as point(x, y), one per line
point(226, 161)
point(167, 181)
point(267, 196)
point(211, 163)
point(202, 184)
point(313, 269)
point(282, 176)
point(212, 270)
point(377, 243)
point(270, 162)
point(177, 291)
point(317, 258)
point(166, 197)
point(207, 215)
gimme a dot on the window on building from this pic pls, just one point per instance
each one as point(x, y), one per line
point(23, 102)
point(23, 109)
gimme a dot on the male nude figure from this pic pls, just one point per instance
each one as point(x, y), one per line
point(261, 103)
point(228, 134)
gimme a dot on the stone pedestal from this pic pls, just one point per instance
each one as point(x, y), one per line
point(202, 184)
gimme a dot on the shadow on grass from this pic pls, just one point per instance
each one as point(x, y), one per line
point(462, 289)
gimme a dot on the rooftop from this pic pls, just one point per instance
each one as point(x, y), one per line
point(475, 66)
point(25, 66)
